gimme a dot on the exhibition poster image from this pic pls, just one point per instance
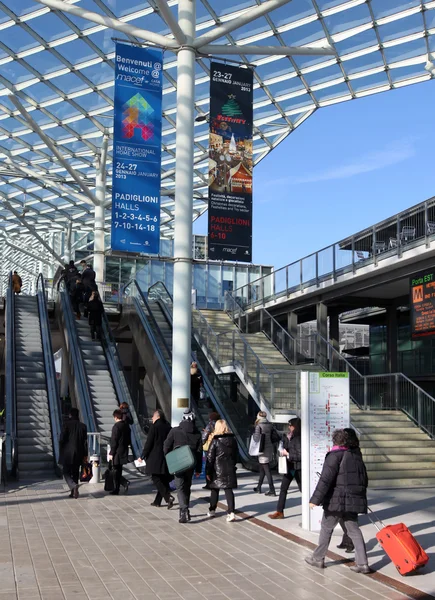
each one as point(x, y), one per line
point(230, 163)
point(137, 144)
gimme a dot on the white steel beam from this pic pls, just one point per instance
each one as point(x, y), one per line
point(35, 127)
point(31, 229)
point(250, 15)
point(80, 240)
point(170, 20)
point(111, 23)
point(268, 50)
point(26, 252)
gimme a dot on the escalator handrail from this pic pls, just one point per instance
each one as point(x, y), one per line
point(207, 385)
point(11, 400)
point(50, 371)
point(121, 388)
point(80, 375)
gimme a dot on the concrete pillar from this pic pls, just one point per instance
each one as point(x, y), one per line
point(334, 340)
point(322, 334)
point(392, 327)
point(292, 324)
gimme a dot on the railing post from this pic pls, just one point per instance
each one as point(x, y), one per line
point(217, 350)
point(301, 274)
point(317, 268)
point(419, 408)
point(426, 229)
point(399, 245)
point(396, 391)
point(272, 391)
point(334, 265)
point(366, 393)
point(375, 259)
point(261, 319)
point(245, 360)
point(234, 347)
point(257, 377)
point(286, 280)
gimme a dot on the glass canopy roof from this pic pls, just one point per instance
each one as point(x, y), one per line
point(61, 69)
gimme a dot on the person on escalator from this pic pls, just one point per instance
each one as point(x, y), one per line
point(196, 383)
point(17, 283)
point(70, 275)
point(186, 434)
point(119, 444)
point(126, 414)
point(76, 290)
point(73, 447)
point(95, 314)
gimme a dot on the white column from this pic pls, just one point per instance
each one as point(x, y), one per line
point(100, 195)
point(182, 317)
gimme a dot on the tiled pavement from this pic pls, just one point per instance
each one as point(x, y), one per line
point(100, 546)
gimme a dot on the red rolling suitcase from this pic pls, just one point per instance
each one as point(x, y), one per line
point(401, 547)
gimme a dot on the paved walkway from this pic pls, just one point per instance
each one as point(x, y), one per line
point(53, 548)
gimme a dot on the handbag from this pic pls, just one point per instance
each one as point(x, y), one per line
point(109, 483)
point(256, 448)
point(86, 472)
point(282, 465)
point(180, 460)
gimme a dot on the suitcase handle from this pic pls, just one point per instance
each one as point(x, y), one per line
point(375, 520)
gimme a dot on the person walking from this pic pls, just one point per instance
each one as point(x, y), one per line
point(17, 283)
point(186, 434)
point(264, 428)
point(221, 468)
point(292, 451)
point(95, 314)
point(73, 450)
point(155, 459)
point(342, 491)
point(207, 434)
point(196, 382)
point(119, 444)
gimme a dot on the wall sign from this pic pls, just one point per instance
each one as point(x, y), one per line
point(137, 149)
point(422, 304)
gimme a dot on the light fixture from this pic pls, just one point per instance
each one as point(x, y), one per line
point(202, 118)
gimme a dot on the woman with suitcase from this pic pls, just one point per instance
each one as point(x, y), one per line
point(342, 491)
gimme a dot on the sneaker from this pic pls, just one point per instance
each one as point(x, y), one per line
point(363, 569)
point(270, 493)
point(257, 489)
point(276, 515)
point(319, 564)
point(211, 513)
point(231, 517)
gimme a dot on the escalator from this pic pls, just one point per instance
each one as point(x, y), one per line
point(33, 419)
point(95, 373)
point(150, 322)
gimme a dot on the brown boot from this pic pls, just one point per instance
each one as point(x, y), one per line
point(276, 515)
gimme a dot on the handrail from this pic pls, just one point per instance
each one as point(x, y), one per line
point(119, 382)
point(81, 383)
point(50, 371)
point(11, 401)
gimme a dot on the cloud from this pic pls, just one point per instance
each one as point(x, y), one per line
point(374, 161)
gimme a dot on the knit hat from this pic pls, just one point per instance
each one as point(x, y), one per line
point(188, 415)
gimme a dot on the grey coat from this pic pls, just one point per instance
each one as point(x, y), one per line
point(263, 426)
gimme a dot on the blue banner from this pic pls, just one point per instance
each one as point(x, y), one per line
point(137, 142)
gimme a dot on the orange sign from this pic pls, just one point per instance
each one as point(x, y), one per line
point(422, 305)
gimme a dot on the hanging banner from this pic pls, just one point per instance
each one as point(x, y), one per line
point(230, 163)
point(137, 149)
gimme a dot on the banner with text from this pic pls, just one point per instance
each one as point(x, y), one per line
point(230, 163)
point(422, 304)
point(137, 149)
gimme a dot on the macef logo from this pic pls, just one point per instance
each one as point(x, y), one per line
point(157, 66)
point(155, 74)
point(230, 250)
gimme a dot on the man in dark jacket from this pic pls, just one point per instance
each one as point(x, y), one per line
point(73, 447)
point(76, 291)
point(155, 459)
point(186, 434)
point(342, 491)
point(119, 444)
point(70, 274)
point(88, 274)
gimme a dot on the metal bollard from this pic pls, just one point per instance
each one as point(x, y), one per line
point(96, 469)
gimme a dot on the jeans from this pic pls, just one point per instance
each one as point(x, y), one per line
point(183, 483)
point(162, 484)
point(118, 478)
point(71, 474)
point(285, 484)
point(265, 471)
point(329, 522)
point(229, 495)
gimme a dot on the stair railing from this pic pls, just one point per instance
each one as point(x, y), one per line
point(11, 444)
point(50, 370)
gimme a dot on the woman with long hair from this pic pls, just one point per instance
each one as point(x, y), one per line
point(221, 467)
point(292, 451)
point(264, 428)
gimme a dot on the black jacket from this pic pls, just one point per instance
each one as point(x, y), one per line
point(96, 310)
point(195, 384)
point(71, 274)
point(126, 416)
point(153, 450)
point(221, 462)
point(73, 443)
point(88, 277)
point(186, 434)
point(119, 443)
point(342, 486)
point(293, 447)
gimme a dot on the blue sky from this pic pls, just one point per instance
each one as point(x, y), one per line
point(347, 167)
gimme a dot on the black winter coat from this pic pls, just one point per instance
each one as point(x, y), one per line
point(342, 486)
point(119, 443)
point(126, 416)
point(153, 450)
point(293, 447)
point(221, 462)
point(88, 277)
point(73, 443)
point(96, 310)
point(186, 434)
